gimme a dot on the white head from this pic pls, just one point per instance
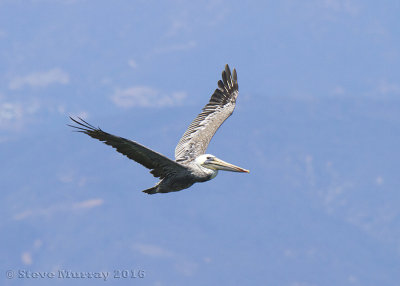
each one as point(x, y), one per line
point(211, 162)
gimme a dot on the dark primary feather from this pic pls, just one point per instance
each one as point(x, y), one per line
point(195, 140)
point(160, 165)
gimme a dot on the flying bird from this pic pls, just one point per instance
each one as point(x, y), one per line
point(191, 164)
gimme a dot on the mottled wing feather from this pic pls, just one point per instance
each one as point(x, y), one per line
point(160, 165)
point(195, 140)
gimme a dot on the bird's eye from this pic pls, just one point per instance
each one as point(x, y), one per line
point(209, 158)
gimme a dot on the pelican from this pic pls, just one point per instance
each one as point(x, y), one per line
point(191, 164)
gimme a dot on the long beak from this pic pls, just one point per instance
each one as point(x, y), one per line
point(222, 165)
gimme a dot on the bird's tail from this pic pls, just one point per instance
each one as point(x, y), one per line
point(151, 191)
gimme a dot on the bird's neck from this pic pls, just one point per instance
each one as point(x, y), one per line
point(214, 174)
point(211, 172)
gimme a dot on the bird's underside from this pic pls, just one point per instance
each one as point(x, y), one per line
point(191, 164)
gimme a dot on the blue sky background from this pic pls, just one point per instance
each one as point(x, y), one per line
point(317, 123)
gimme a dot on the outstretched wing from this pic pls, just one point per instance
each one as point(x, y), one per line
point(221, 105)
point(160, 165)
